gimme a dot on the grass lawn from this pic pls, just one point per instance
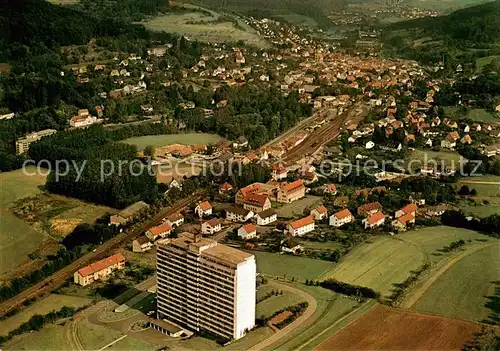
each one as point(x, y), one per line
point(484, 190)
point(476, 114)
point(166, 139)
point(483, 61)
point(301, 268)
point(53, 302)
point(331, 307)
point(192, 26)
point(480, 210)
point(275, 303)
point(316, 245)
point(49, 338)
point(296, 208)
point(94, 337)
point(253, 337)
point(427, 156)
point(17, 240)
point(468, 290)
point(17, 184)
point(131, 343)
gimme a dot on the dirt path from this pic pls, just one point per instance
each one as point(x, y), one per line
point(313, 305)
point(477, 182)
point(413, 298)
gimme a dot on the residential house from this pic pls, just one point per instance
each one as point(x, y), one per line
point(211, 226)
point(373, 221)
point(466, 139)
point(331, 189)
point(401, 223)
point(203, 209)
point(83, 119)
point(291, 192)
point(175, 219)
point(290, 245)
point(159, 231)
point(240, 142)
point(301, 226)
point(369, 209)
point(436, 211)
point(319, 213)
point(408, 209)
point(224, 188)
point(391, 146)
point(100, 270)
point(125, 216)
point(238, 214)
point(256, 203)
point(247, 231)
point(279, 173)
point(141, 244)
point(340, 218)
point(266, 217)
point(242, 193)
point(491, 150)
point(450, 141)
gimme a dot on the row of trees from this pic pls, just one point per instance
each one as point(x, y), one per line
point(489, 225)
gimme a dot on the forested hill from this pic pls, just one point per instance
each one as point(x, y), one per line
point(315, 9)
point(476, 24)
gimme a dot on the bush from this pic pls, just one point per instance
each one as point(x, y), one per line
point(348, 289)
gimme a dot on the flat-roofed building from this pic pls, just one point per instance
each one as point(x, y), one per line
point(206, 286)
point(23, 144)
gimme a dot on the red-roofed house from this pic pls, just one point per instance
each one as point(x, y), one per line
point(451, 140)
point(224, 188)
point(211, 226)
point(248, 231)
point(408, 209)
point(100, 270)
point(319, 213)
point(331, 189)
point(402, 222)
point(340, 218)
point(291, 192)
point(160, 231)
point(256, 203)
point(203, 209)
point(369, 209)
point(301, 226)
point(374, 220)
point(279, 173)
point(255, 188)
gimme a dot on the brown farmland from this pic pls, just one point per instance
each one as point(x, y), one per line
point(384, 328)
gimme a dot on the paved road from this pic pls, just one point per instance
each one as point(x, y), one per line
point(309, 313)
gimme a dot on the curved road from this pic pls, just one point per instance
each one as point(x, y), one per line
point(311, 308)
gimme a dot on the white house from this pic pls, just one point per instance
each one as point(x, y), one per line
point(141, 244)
point(266, 217)
point(340, 218)
point(301, 226)
point(248, 231)
point(175, 219)
point(238, 214)
point(374, 220)
point(211, 226)
point(160, 231)
point(203, 209)
point(319, 213)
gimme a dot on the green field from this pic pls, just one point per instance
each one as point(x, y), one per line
point(299, 20)
point(50, 338)
point(476, 114)
point(469, 289)
point(427, 157)
point(167, 139)
point(53, 302)
point(331, 308)
point(484, 190)
point(269, 306)
point(200, 26)
point(389, 260)
point(483, 61)
point(296, 208)
point(17, 184)
point(301, 268)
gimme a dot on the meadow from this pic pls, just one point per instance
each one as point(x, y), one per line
point(300, 268)
point(388, 260)
point(428, 157)
point(167, 139)
point(200, 26)
point(468, 290)
point(483, 61)
point(475, 114)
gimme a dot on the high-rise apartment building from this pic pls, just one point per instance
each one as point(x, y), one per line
point(203, 285)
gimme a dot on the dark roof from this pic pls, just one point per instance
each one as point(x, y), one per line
point(237, 210)
point(267, 213)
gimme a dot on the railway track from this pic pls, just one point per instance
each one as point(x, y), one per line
point(321, 136)
point(58, 278)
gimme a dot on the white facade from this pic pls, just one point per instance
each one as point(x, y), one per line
point(302, 230)
point(338, 222)
point(266, 220)
point(239, 216)
point(207, 286)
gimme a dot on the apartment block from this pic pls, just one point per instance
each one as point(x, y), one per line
point(23, 144)
point(204, 285)
point(100, 270)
